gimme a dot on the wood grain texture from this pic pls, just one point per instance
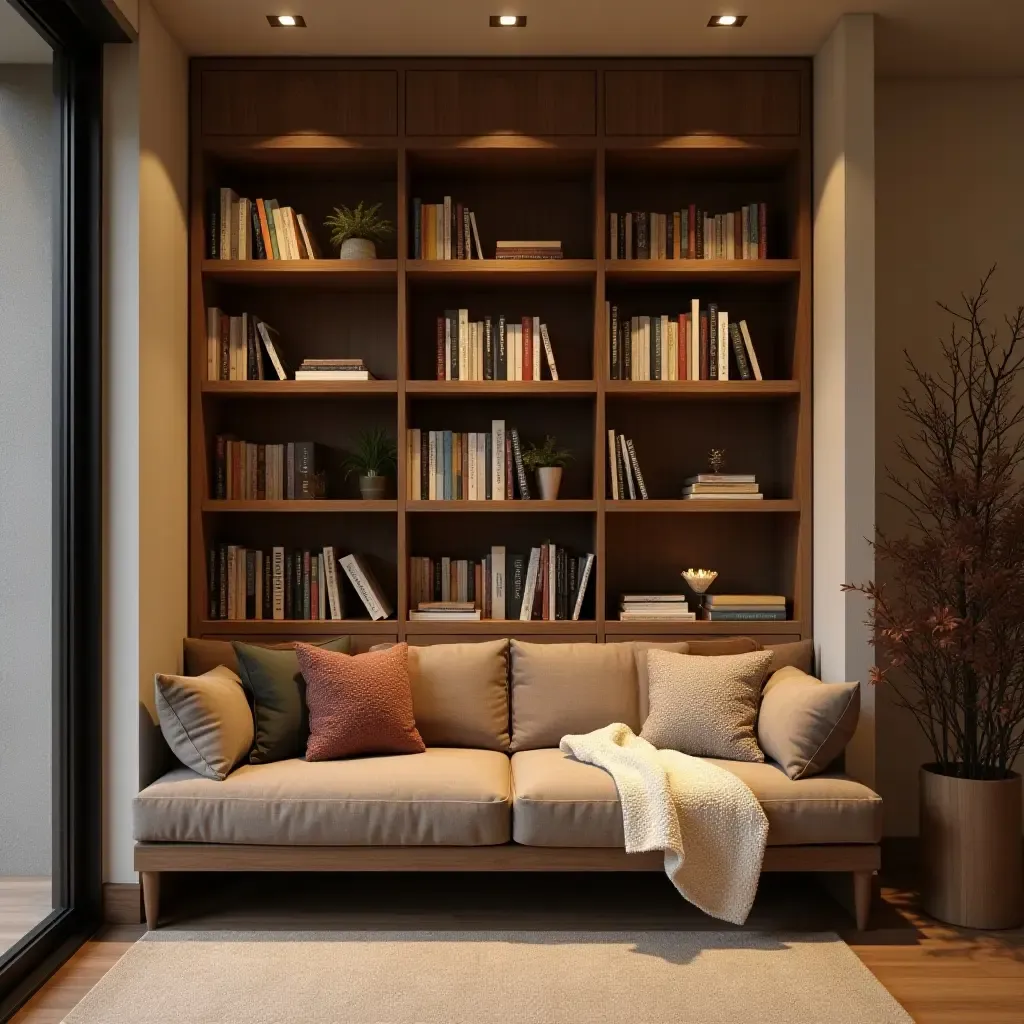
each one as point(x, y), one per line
point(500, 101)
point(122, 903)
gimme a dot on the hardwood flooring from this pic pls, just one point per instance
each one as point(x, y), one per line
point(24, 902)
point(941, 975)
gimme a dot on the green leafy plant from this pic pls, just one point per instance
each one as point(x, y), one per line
point(375, 454)
point(547, 454)
point(362, 222)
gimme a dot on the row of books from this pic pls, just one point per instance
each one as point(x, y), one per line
point(744, 608)
point(493, 348)
point(241, 348)
point(249, 471)
point(719, 486)
point(247, 583)
point(549, 584)
point(690, 233)
point(625, 479)
point(255, 229)
point(698, 345)
point(453, 465)
point(444, 231)
point(655, 608)
point(333, 369)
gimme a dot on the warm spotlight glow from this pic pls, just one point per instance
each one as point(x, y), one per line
point(727, 20)
point(508, 21)
point(287, 19)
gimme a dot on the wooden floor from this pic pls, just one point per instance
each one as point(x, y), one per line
point(24, 902)
point(941, 975)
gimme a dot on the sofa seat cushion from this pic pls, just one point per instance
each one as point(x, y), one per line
point(558, 801)
point(441, 797)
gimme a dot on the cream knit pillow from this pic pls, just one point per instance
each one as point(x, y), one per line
point(705, 706)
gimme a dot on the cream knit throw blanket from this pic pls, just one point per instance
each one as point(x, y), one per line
point(707, 821)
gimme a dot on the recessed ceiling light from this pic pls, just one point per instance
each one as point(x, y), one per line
point(727, 20)
point(286, 20)
point(508, 21)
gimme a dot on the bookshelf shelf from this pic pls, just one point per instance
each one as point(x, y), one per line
point(319, 507)
point(370, 274)
point(539, 159)
point(703, 506)
point(534, 506)
point(654, 271)
point(291, 388)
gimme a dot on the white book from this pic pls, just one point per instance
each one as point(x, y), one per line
point(723, 345)
point(228, 197)
point(694, 359)
point(415, 466)
point(445, 616)
point(581, 592)
point(330, 581)
point(283, 247)
point(360, 577)
point(332, 375)
point(432, 466)
point(535, 355)
point(627, 468)
point(498, 582)
point(476, 235)
point(446, 230)
point(498, 460)
point(463, 342)
point(645, 347)
point(481, 466)
point(549, 352)
point(244, 230)
point(613, 475)
point(748, 344)
point(269, 336)
point(530, 585)
point(471, 453)
point(673, 350)
point(304, 229)
point(446, 579)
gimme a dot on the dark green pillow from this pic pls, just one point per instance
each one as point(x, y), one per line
point(278, 691)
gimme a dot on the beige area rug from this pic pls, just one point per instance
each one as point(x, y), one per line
point(523, 977)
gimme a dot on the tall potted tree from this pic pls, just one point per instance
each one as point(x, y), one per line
point(949, 624)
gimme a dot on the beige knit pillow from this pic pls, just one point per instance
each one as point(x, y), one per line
point(705, 706)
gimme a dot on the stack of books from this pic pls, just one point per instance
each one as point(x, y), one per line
point(333, 369)
point(690, 234)
point(655, 608)
point(255, 229)
point(625, 479)
point(494, 348)
point(702, 344)
point(716, 486)
point(744, 608)
point(445, 611)
point(235, 347)
point(444, 231)
point(528, 250)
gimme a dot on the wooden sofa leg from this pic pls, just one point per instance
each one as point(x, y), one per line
point(863, 890)
point(151, 897)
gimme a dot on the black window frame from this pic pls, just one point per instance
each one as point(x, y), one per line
point(77, 31)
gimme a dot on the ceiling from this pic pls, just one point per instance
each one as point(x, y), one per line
point(19, 42)
point(915, 37)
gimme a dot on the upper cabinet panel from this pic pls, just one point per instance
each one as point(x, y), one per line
point(293, 102)
point(702, 102)
point(500, 102)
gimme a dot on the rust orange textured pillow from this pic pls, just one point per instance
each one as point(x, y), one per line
point(358, 704)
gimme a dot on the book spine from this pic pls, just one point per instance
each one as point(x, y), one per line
point(704, 347)
point(498, 592)
point(488, 349)
point(713, 362)
point(620, 469)
point(460, 238)
point(670, 236)
point(362, 587)
point(584, 580)
point(517, 454)
point(739, 352)
point(657, 343)
point(516, 569)
point(549, 353)
point(714, 615)
point(636, 469)
point(250, 585)
point(213, 223)
point(258, 247)
point(643, 236)
point(440, 365)
point(616, 358)
point(467, 233)
point(613, 479)
point(527, 329)
point(560, 582)
point(212, 584)
point(762, 231)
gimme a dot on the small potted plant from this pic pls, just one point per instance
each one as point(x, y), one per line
point(356, 231)
point(375, 454)
point(548, 460)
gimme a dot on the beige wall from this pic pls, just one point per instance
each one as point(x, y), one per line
point(949, 155)
point(145, 404)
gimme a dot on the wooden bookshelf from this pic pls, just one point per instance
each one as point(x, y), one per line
point(542, 149)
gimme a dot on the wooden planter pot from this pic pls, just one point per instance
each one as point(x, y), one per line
point(971, 850)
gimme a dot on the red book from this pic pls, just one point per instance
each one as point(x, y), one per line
point(691, 232)
point(440, 348)
point(527, 322)
point(683, 347)
point(704, 371)
point(509, 466)
point(762, 231)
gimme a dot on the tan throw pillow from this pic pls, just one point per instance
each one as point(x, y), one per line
point(799, 654)
point(804, 723)
point(570, 688)
point(706, 706)
point(358, 704)
point(460, 694)
point(206, 720)
point(640, 649)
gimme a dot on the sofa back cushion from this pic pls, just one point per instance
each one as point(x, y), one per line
point(798, 654)
point(200, 654)
point(460, 694)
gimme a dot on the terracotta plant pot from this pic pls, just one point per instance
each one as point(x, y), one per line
point(971, 850)
point(358, 249)
point(549, 478)
point(372, 488)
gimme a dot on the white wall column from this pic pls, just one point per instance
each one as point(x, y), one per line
point(844, 362)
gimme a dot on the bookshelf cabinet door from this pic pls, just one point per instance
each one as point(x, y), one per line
point(500, 102)
point(702, 102)
point(300, 102)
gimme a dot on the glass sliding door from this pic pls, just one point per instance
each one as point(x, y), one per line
point(50, 597)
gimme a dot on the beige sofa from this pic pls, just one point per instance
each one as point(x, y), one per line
point(491, 792)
